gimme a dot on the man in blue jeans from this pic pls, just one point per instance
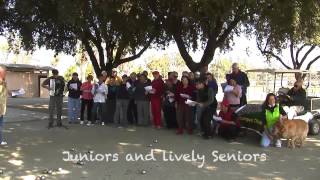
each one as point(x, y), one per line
point(3, 100)
point(74, 86)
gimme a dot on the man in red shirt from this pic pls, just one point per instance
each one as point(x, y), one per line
point(156, 97)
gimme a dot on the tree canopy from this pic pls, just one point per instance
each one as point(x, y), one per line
point(112, 32)
point(115, 32)
point(290, 24)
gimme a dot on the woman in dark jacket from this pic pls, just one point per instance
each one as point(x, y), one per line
point(184, 112)
point(169, 110)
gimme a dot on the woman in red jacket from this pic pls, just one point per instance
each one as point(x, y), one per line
point(156, 98)
point(230, 126)
point(184, 111)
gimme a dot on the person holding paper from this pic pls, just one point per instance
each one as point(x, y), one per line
point(242, 80)
point(156, 99)
point(56, 98)
point(205, 102)
point(122, 102)
point(74, 86)
point(132, 113)
point(184, 111)
point(100, 92)
point(169, 109)
point(229, 128)
point(233, 96)
point(142, 100)
point(111, 99)
point(86, 99)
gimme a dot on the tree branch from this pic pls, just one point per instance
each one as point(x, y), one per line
point(117, 62)
point(311, 62)
point(293, 60)
point(93, 58)
point(307, 54)
point(265, 52)
point(227, 31)
point(299, 50)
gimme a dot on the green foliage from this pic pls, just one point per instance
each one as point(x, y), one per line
point(68, 74)
point(285, 22)
point(116, 32)
point(119, 31)
point(221, 67)
point(90, 70)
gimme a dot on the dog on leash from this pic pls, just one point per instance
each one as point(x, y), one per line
point(295, 131)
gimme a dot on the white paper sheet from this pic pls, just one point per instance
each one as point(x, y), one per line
point(74, 86)
point(128, 85)
point(148, 88)
point(217, 118)
point(228, 88)
point(171, 100)
point(186, 96)
point(191, 103)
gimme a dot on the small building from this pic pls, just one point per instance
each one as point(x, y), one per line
point(28, 77)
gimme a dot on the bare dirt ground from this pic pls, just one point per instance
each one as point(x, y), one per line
point(33, 148)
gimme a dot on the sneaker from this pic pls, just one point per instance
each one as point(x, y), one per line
point(3, 143)
point(102, 124)
point(81, 122)
point(89, 123)
point(59, 124)
point(278, 144)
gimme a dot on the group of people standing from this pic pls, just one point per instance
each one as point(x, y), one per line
point(186, 103)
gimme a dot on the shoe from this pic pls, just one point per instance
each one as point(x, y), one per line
point(59, 124)
point(89, 123)
point(81, 122)
point(278, 144)
point(102, 124)
point(179, 131)
point(3, 143)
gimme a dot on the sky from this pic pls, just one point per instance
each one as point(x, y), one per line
point(243, 49)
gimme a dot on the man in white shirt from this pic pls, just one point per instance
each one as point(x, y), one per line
point(100, 92)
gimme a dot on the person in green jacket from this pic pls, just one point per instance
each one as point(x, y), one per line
point(272, 113)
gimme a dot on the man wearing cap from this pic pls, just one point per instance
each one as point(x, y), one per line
point(74, 88)
point(55, 84)
point(242, 79)
point(156, 97)
point(3, 100)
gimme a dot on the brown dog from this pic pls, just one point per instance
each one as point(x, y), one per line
point(295, 131)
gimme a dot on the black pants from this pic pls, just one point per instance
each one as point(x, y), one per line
point(132, 113)
point(86, 104)
point(229, 132)
point(110, 110)
point(243, 99)
point(169, 113)
point(205, 121)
